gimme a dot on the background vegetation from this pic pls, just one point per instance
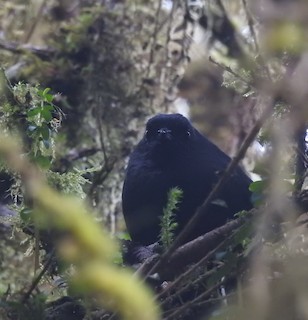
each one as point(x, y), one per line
point(78, 81)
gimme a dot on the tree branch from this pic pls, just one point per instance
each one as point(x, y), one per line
point(17, 48)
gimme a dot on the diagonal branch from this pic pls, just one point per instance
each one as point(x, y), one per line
point(17, 48)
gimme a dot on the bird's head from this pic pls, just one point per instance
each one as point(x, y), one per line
point(168, 131)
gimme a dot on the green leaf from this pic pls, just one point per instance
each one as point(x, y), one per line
point(43, 162)
point(258, 186)
point(45, 132)
point(48, 107)
point(33, 112)
point(40, 93)
point(46, 90)
point(48, 97)
point(46, 114)
point(123, 236)
point(45, 95)
point(118, 259)
point(26, 215)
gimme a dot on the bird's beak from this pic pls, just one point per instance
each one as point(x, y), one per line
point(164, 134)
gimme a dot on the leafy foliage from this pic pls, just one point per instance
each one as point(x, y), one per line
point(168, 219)
point(70, 183)
point(38, 120)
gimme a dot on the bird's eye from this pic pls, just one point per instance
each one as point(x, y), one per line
point(148, 134)
point(188, 133)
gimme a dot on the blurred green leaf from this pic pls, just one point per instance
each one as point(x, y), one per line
point(45, 132)
point(26, 215)
point(43, 162)
point(33, 112)
point(258, 186)
point(46, 114)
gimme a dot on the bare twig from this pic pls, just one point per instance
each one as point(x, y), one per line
point(210, 254)
point(6, 89)
point(251, 26)
point(195, 250)
point(36, 249)
point(36, 280)
point(191, 303)
point(108, 165)
point(228, 69)
point(42, 52)
point(99, 124)
point(255, 38)
point(74, 154)
point(35, 22)
point(191, 252)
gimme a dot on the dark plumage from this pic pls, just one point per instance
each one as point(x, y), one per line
point(173, 153)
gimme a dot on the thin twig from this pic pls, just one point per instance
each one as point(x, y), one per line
point(101, 133)
point(189, 284)
point(215, 300)
point(107, 166)
point(199, 263)
point(6, 88)
point(188, 304)
point(35, 21)
point(17, 48)
point(36, 249)
point(251, 26)
point(199, 279)
point(255, 38)
point(36, 280)
point(228, 69)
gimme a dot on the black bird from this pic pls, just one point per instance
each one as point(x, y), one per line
point(171, 154)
